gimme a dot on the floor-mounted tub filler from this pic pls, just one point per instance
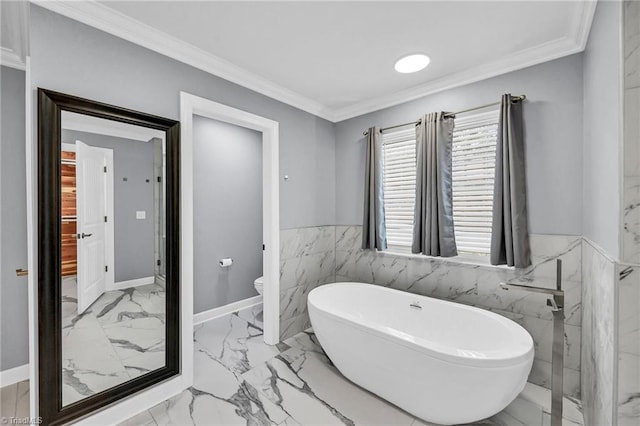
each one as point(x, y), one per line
point(441, 361)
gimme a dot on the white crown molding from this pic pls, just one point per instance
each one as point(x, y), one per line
point(104, 18)
point(9, 58)
point(118, 24)
point(15, 37)
point(575, 42)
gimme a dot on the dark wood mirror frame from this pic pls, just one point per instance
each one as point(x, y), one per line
point(50, 107)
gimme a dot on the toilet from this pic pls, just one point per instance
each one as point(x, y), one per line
point(258, 283)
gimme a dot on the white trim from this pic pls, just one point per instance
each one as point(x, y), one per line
point(186, 234)
point(104, 18)
point(9, 58)
point(120, 25)
point(221, 311)
point(622, 110)
point(88, 124)
point(31, 149)
point(582, 23)
point(121, 285)
point(15, 38)
point(190, 105)
point(109, 225)
point(536, 55)
point(14, 375)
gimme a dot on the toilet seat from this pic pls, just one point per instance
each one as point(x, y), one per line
point(258, 284)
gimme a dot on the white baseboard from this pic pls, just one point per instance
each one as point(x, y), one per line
point(121, 285)
point(220, 311)
point(14, 375)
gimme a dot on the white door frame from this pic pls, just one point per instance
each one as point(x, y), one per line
point(190, 105)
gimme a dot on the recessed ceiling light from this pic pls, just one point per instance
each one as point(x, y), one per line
point(412, 63)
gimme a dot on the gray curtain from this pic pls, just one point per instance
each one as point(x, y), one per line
point(433, 232)
point(509, 230)
point(374, 232)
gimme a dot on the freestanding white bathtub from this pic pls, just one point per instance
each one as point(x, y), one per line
point(441, 361)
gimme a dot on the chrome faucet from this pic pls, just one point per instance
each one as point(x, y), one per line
point(556, 302)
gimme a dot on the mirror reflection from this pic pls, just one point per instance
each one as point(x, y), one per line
point(113, 249)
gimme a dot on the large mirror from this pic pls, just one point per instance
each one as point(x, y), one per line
point(108, 251)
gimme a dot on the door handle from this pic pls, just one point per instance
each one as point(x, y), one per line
point(83, 235)
point(21, 272)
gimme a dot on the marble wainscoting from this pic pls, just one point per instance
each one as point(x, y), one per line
point(479, 285)
point(598, 321)
point(628, 345)
point(307, 260)
point(631, 133)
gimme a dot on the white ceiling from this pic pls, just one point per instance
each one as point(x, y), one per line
point(335, 59)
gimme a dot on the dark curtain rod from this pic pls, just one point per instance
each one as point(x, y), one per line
point(450, 114)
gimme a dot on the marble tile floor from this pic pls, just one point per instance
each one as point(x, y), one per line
point(14, 401)
point(241, 381)
point(119, 337)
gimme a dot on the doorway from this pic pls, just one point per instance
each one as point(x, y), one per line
point(190, 106)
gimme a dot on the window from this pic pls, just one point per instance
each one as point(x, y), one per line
point(473, 158)
point(399, 181)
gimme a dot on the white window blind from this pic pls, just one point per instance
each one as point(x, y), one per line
point(399, 180)
point(474, 153)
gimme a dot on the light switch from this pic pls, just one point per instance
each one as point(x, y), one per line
point(141, 214)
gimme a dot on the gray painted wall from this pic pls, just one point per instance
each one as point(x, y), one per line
point(227, 207)
point(602, 110)
point(134, 238)
point(74, 58)
point(14, 331)
point(553, 131)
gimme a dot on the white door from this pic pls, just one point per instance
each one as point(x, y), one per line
point(91, 187)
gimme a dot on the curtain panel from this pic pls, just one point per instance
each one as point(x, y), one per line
point(433, 232)
point(510, 230)
point(374, 233)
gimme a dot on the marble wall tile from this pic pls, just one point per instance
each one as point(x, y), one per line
point(381, 268)
point(308, 259)
point(305, 241)
point(628, 277)
point(291, 326)
point(598, 351)
point(541, 376)
point(541, 331)
point(628, 345)
point(308, 270)
point(631, 218)
point(631, 133)
point(293, 302)
point(479, 285)
point(631, 44)
point(348, 238)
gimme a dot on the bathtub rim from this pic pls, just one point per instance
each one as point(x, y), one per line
point(423, 345)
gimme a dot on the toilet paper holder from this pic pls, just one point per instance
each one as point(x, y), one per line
point(226, 262)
